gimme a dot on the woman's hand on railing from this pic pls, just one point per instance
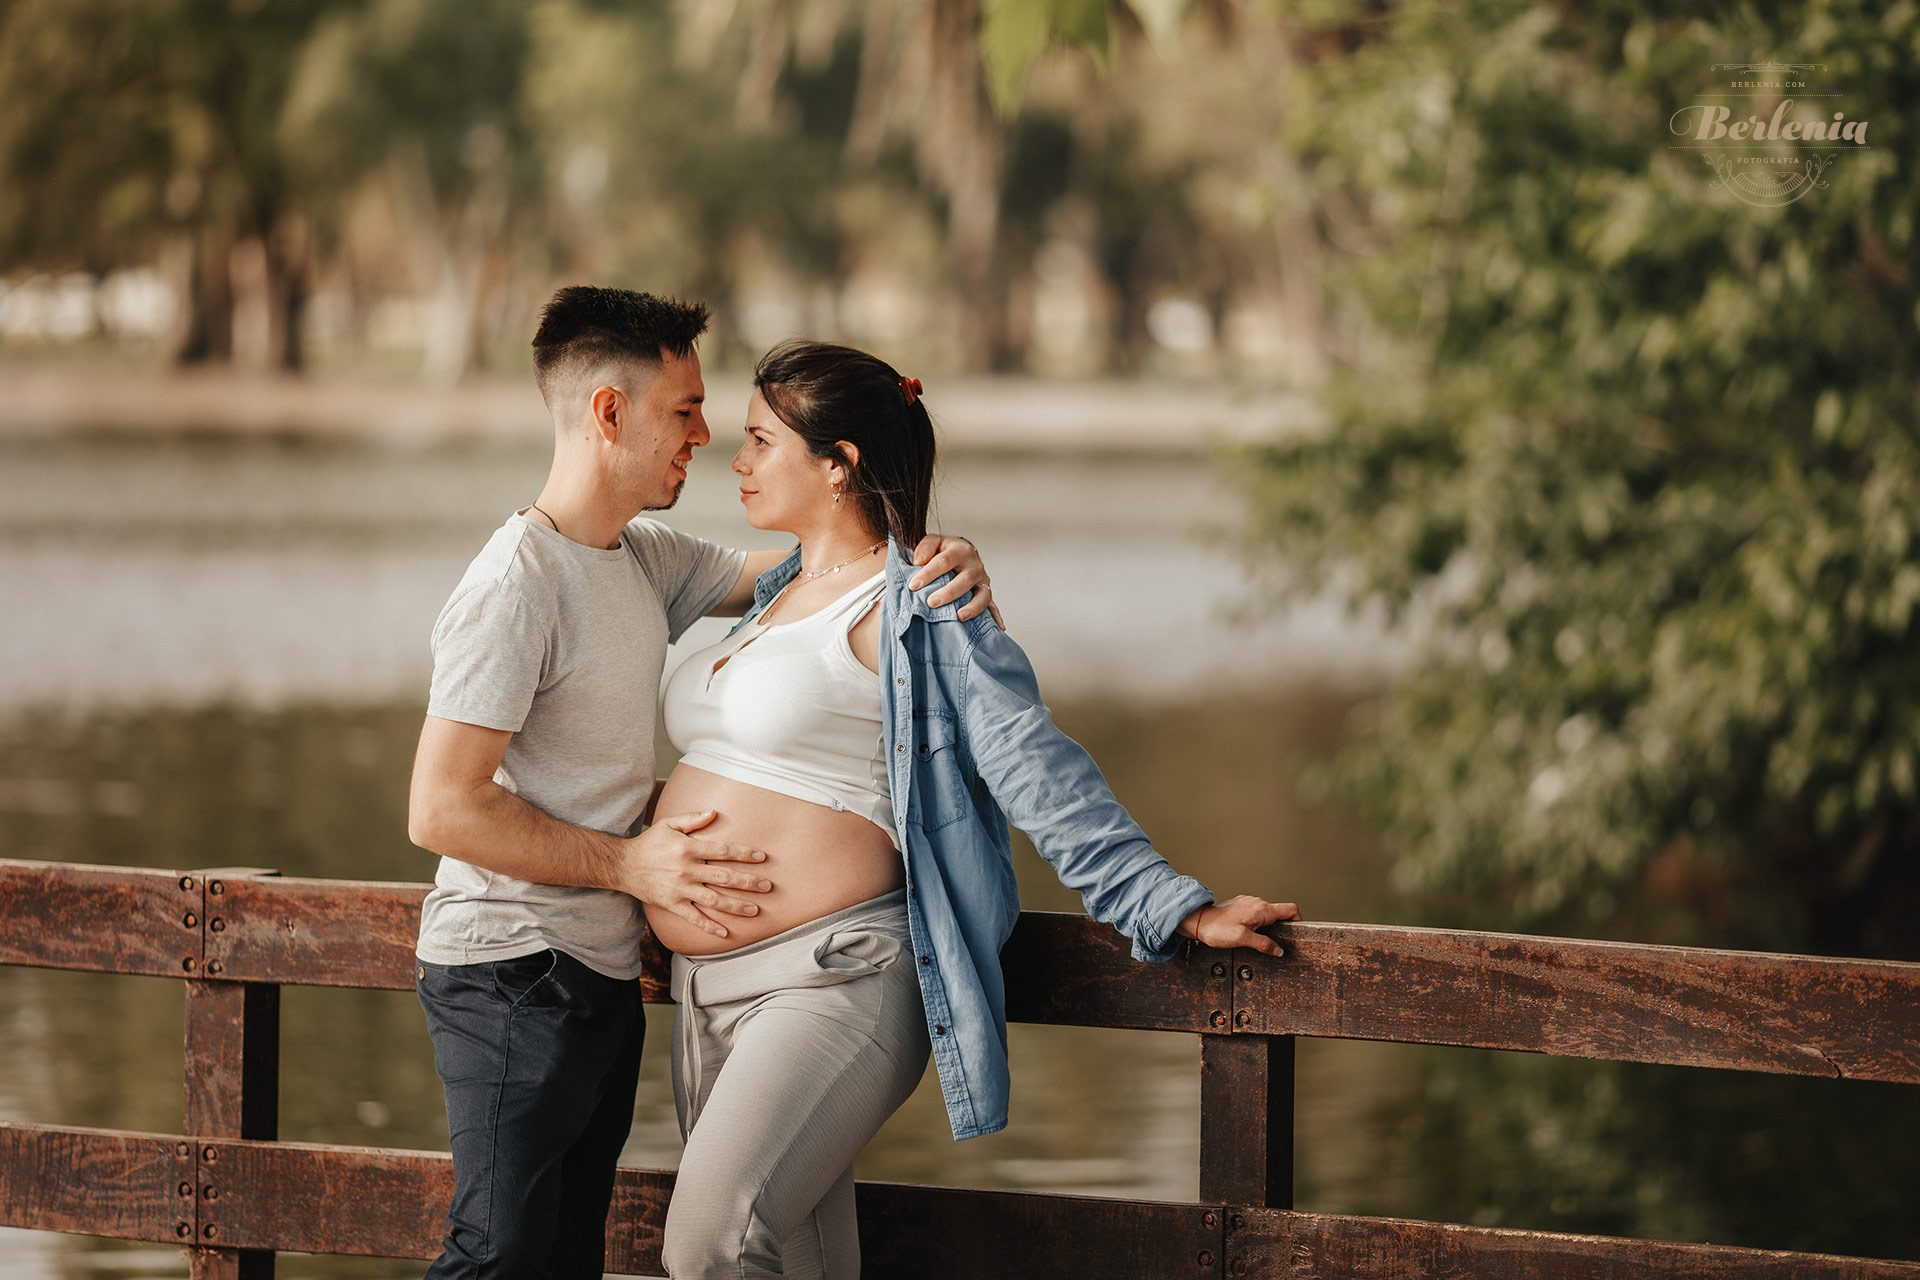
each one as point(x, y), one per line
point(1233, 923)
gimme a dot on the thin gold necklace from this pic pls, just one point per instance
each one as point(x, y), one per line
point(805, 576)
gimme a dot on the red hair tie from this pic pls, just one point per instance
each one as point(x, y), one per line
point(910, 388)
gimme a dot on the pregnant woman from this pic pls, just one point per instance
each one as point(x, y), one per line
point(875, 749)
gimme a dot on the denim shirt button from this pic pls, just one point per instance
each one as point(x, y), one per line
point(939, 1031)
point(901, 749)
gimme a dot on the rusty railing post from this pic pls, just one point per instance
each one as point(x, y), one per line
point(1246, 1107)
point(232, 1074)
point(1246, 1120)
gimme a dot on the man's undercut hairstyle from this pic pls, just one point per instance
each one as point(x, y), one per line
point(584, 328)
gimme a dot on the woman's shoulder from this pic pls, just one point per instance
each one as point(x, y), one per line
point(943, 624)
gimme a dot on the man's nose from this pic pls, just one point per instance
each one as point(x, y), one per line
point(700, 433)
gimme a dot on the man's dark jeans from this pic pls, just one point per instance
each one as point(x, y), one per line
point(540, 1057)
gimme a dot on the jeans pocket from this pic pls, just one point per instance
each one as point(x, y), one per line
point(451, 983)
point(524, 980)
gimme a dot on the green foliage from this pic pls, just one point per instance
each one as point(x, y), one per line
point(122, 120)
point(82, 149)
point(1636, 460)
point(437, 79)
point(1013, 33)
point(689, 187)
point(463, 154)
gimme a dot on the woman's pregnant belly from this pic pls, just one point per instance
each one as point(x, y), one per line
point(818, 860)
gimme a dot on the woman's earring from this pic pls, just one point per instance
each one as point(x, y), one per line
point(836, 497)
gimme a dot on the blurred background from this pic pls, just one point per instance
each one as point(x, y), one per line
point(1433, 495)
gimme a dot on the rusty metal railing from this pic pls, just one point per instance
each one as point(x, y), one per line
point(231, 1192)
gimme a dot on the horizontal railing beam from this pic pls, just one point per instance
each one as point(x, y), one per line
point(108, 919)
point(1800, 1015)
point(98, 1182)
point(375, 1202)
point(1311, 1246)
point(1683, 1006)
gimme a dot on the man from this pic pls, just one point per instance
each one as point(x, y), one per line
point(536, 766)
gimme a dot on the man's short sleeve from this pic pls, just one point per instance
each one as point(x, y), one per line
point(489, 656)
point(691, 574)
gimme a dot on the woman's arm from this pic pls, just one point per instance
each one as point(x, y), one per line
point(1051, 789)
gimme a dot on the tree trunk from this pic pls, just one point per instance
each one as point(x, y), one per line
point(757, 95)
point(961, 152)
point(449, 353)
point(204, 333)
point(873, 95)
point(288, 266)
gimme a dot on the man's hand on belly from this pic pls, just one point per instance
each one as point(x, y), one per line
point(670, 868)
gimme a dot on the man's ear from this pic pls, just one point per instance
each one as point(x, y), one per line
point(607, 407)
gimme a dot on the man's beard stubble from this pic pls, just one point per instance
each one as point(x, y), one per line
point(668, 504)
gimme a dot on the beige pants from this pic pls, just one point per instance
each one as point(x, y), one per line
point(788, 1055)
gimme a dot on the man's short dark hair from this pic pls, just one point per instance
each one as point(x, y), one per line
point(583, 327)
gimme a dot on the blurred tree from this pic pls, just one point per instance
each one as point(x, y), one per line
point(426, 95)
point(83, 154)
point(121, 122)
point(920, 73)
point(1636, 461)
point(660, 176)
point(1640, 462)
point(458, 156)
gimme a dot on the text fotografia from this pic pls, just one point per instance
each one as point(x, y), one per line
point(1709, 122)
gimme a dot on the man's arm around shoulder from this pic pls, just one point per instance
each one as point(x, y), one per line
point(456, 809)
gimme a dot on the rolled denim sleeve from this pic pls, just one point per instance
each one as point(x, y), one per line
point(1051, 789)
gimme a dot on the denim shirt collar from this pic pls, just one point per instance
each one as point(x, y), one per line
point(903, 605)
point(907, 605)
point(768, 584)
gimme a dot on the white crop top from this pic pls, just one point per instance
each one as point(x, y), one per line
point(786, 706)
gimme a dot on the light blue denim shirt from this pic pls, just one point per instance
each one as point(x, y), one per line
point(971, 746)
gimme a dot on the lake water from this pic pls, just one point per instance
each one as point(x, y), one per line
point(214, 653)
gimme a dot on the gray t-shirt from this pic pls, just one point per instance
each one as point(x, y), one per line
point(562, 644)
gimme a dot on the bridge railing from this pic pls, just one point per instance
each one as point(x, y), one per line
point(229, 1190)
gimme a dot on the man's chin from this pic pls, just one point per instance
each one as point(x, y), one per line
point(671, 499)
